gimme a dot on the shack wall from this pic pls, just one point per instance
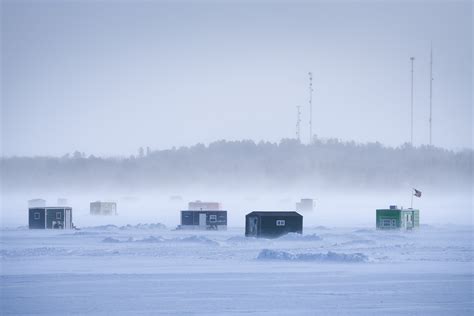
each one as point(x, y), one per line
point(39, 222)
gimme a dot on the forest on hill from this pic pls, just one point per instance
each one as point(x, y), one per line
point(325, 163)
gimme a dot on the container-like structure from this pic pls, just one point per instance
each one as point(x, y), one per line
point(62, 202)
point(103, 208)
point(50, 217)
point(203, 220)
point(36, 203)
point(204, 206)
point(272, 224)
point(305, 205)
point(397, 218)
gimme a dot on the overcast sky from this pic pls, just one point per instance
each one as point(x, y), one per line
point(107, 77)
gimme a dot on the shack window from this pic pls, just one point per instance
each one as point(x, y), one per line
point(37, 215)
point(58, 215)
point(213, 218)
point(389, 223)
point(280, 222)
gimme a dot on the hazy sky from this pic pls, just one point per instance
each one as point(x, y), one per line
point(106, 77)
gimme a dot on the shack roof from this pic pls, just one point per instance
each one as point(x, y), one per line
point(274, 213)
point(48, 207)
point(204, 211)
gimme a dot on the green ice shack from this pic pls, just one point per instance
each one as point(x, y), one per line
point(397, 218)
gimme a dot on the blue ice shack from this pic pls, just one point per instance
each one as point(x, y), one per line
point(50, 217)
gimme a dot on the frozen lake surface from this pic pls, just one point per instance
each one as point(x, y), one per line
point(147, 269)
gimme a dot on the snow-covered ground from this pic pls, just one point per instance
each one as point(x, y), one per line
point(149, 269)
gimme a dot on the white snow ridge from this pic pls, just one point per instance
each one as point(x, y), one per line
point(268, 254)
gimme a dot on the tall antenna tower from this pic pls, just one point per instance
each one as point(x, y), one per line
point(431, 92)
point(310, 107)
point(298, 123)
point(411, 133)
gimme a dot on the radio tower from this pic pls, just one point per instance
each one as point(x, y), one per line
point(411, 133)
point(298, 123)
point(310, 107)
point(431, 91)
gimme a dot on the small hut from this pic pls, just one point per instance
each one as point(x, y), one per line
point(50, 217)
point(36, 203)
point(203, 220)
point(397, 218)
point(272, 224)
point(103, 208)
point(305, 205)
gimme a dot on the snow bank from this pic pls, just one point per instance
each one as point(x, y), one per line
point(128, 227)
point(102, 227)
point(84, 233)
point(268, 254)
point(33, 252)
point(358, 242)
point(300, 237)
point(150, 239)
point(364, 231)
point(242, 239)
point(196, 239)
point(159, 239)
point(111, 240)
point(143, 226)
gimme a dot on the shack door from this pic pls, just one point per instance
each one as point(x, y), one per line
point(409, 220)
point(67, 219)
point(253, 226)
point(202, 219)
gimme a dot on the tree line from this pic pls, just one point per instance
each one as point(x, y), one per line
point(327, 163)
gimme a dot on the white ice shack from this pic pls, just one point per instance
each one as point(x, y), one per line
point(103, 208)
point(36, 203)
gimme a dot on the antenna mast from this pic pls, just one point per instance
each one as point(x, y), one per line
point(310, 107)
point(431, 92)
point(298, 123)
point(411, 133)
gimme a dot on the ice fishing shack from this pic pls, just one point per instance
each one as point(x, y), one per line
point(103, 208)
point(51, 217)
point(397, 218)
point(203, 220)
point(305, 205)
point(204, 216)
point(272, 224)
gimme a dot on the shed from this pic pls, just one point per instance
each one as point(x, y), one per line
point(103, 208)
point(204, 220)
point(50, 217)
point(62, 202)
point(36, 203)
point(397, 218)
point(272, 224)
point(204, 206)
point(305, 205)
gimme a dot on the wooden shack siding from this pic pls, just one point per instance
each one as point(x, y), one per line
point(398, 216)
point(267, 227)
point(192, 217)
point(36, 223)
point(388, 214)
point(48, 215)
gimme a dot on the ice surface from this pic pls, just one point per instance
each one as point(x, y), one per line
point(147, 269)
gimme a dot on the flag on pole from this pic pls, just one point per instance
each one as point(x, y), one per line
point(417, 193)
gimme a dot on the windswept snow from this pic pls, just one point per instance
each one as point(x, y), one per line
point(146, 269)
point(267, 254)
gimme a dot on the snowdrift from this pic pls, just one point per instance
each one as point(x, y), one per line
point(269, 254)
point(159, 239)
point(150, 226)
point(299, 237)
